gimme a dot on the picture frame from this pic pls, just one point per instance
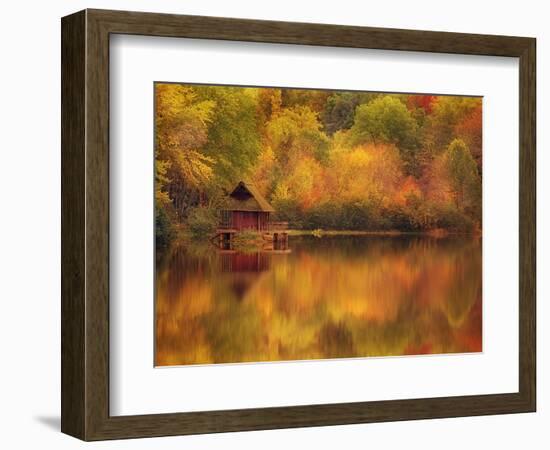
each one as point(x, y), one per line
point(85, 224)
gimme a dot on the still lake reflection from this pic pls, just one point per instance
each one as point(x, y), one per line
point(330, 297)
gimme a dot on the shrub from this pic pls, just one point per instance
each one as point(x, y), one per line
point(164, 230)
point(449, 217)
point(398, 218)
point(324, 215)
point(247, 240)
point(362, 215)
point(202, 221)
point(288, 210)
point(369, 215)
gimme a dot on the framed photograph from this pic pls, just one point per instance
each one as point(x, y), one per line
point(273, 225)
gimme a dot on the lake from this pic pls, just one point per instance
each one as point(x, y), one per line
point(328, 297)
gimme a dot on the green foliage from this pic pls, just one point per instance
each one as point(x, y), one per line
point(247, 241)
point(448, 113)
point(182, 171)
point(339, 112)
point(295, 133)
point(164, 228)
point(429, 216)
point(361, 215)
point(463, 176)
point(387, 120)
point(233, 139)
point(164, 211)
point(288, 210)
point(366, 216)
point(315, 100)
point(181, 129)
point(450, 218)
point(202, 222)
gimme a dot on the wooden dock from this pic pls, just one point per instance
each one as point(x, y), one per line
point(275, 233)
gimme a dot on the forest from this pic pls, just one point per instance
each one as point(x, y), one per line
point(325, 160)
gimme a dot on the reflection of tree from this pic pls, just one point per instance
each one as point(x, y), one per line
point(234, 331)
point(336, 340)
point(332, 297)
point(461, 297)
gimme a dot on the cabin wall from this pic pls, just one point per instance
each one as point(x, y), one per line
point(250, 220)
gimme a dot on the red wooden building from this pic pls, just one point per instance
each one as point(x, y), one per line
point(246, 209)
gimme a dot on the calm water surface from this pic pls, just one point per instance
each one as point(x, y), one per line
point(330, 297)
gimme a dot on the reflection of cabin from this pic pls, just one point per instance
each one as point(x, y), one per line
point(245, 262)
point(246, 269)
point(247, 209)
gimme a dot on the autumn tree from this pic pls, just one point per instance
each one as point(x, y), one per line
point(303, 185)
point(387, 120)
point(447, 113)
point(233, 139)
point(311, 98)
point(295, 133)
point(339, 111)
point(269, 104)
point(470, 129)
point(265, 172)
point(371, 172)
point(424, 102)
point(181, 130)
point(463, 177)
point(340, 107)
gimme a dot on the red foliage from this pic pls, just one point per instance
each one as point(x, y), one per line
point(421, 101)
point(408, 187)
point(470, 130)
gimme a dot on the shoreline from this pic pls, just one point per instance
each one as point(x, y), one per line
point(184, 235)
point(430, 233)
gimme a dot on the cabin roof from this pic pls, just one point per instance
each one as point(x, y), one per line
point(246, 197)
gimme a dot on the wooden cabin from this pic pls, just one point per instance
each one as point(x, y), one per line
point(246, 209)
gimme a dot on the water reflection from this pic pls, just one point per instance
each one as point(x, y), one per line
point(331, 297)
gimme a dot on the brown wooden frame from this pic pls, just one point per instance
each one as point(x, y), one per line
point(85, 224)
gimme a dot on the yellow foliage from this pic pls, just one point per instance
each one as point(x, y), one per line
point(368, 171)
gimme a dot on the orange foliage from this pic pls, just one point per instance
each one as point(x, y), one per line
point(470, 131)
point(306, 182)
point(409, 188)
